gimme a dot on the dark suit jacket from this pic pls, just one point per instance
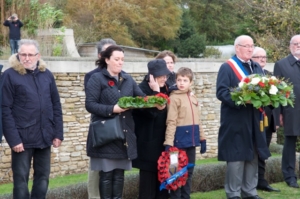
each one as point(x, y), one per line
point(289, 69)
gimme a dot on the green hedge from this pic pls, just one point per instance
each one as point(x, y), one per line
point(206, 177)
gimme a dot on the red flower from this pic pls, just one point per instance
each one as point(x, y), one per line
point(146, 99)
point(163, 96)
point(287, 94)
point(246, 80)
point(111, 83)
point(261, 84)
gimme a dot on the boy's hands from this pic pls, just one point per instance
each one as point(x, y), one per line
point(202, 146)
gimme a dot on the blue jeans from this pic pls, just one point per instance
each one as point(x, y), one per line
point(21, 163)
point(14, 45)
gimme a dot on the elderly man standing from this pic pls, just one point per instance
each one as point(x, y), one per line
point(32, 119)
point(289, 68)
point(240, 140)
point(260, 56)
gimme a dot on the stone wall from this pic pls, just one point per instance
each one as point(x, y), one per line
point(69, 74)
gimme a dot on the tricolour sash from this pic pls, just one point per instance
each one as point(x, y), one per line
point(238, 68)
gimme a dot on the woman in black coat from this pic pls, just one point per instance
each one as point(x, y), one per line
point(150, 127)
point(103, 91)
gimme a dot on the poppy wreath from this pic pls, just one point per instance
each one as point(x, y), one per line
point(163, 169)
point(144, 102)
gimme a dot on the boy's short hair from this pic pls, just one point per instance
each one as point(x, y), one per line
point(184, 71)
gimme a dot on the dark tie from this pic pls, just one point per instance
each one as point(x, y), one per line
point(247, 66)
point(298, 62)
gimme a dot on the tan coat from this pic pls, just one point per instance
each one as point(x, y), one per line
point(183, 118)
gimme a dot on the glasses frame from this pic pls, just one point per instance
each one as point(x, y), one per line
point(260, 57)
point(27, 55)
point(295, 44)
point(246, 46)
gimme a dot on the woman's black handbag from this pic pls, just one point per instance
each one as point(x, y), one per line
point(106, 131)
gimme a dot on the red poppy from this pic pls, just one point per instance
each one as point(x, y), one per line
point(163, 96)
point(111, 83)
point(261, 84)
point(246, 80)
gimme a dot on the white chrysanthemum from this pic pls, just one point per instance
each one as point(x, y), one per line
point(255, 80)
point(264, 79)
point(241, 84)
point(273, 90)
point(273, 77)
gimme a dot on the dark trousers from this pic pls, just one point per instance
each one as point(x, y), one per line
point(14, 46)
point(184, 192)
point(149, 186)
point(21, 163)
point(289, 159)
point(261, 163)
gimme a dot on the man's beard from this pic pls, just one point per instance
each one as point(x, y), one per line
point(31, 67)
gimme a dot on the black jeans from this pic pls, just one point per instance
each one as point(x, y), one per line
point(184, 192)
point(21, 163)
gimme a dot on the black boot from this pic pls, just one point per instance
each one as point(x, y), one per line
point(105, 184)
point(118, 183)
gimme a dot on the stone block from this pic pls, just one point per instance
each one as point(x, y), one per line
point(69, 118)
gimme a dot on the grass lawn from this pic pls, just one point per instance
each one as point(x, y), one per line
point(286, 193)
point(61, 181)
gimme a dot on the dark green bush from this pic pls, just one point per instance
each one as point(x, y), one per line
point(206, 177)
point(212, 52)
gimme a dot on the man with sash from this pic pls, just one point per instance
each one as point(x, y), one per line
point(240, 140)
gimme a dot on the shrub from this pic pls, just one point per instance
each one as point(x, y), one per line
point(206, 177)
point(212, 52)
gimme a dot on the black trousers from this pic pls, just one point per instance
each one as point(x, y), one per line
point(289, 159)
point(262, 164)
point(184, 192)
point(149, 186)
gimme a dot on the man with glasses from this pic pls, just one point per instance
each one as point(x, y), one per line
point(289, 68)
point(240, 141)
point(260, 56)
point(32, 118)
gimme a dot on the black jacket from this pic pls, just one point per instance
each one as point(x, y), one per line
point(89, 74)
point(100, 101)
point(239, 133)
point(31, 109)
point(14, 29)
point(289, 69)
point(150, 128)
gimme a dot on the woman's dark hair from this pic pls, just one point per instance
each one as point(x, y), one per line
point(107, 54)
